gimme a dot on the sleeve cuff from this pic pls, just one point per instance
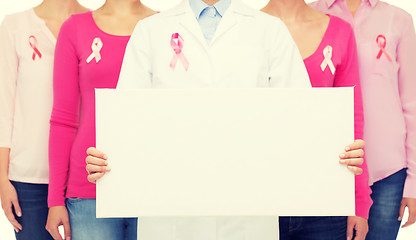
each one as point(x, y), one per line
point(409, 188)
point(362, 207)
point(56, 202)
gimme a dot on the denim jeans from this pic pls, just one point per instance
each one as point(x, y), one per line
point(85, 226)
point(33, 202)
point(387, 196)
point(313, 228)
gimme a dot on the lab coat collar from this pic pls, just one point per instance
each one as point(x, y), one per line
point(236, 6)
point(188, 20)
point(198, 6)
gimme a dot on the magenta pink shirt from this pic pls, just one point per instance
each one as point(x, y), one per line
point(86, 58)
point(335, 64)
point(386, 43)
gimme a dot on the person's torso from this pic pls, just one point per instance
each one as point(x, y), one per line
point(34, 46)
point(100, 56)
point(379, 28)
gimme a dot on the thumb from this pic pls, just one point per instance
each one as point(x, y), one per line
point(67, 230)
point(401, 212)
point(17, 208)
point(350, 230)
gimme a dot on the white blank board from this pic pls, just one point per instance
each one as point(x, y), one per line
point(225, 152)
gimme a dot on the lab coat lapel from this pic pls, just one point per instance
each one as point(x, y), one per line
point(227, 22)
point(189, 22)
point(230, 19)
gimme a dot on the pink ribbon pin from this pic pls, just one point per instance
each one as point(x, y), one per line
point(96, 47)
point(382, 42)
point(327, 62)
point(177, 47)
point(34, 45)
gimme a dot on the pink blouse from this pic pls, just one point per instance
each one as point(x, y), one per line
point(86, 58)
point(26, 65)
point(386, 43)
point(334, 64)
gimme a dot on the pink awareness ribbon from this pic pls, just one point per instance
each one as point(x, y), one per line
point(328, 60)
point(34, 45)
point(382, 42)
point(96, 46)
point(177, 47)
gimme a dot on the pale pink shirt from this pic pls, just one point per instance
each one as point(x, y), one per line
point(388, 81)
point(26, 65)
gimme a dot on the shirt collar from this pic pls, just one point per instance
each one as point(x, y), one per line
point(222, 6)
point(373, 3)
point(198, 6)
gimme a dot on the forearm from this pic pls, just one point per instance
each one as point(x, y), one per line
point(363, 200)
point(61, 139)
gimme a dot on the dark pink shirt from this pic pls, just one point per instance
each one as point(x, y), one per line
point(85, 58)
point(335, 64)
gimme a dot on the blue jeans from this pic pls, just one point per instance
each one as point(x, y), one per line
point(387, 195)
point(33, 202)
point(313, 228)
point(85, 226)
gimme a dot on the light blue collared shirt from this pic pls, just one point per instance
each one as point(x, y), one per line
point(209, 16)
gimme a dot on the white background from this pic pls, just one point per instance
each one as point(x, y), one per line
point(11, 6)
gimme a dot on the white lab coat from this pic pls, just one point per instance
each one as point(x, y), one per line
point(249, 49)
